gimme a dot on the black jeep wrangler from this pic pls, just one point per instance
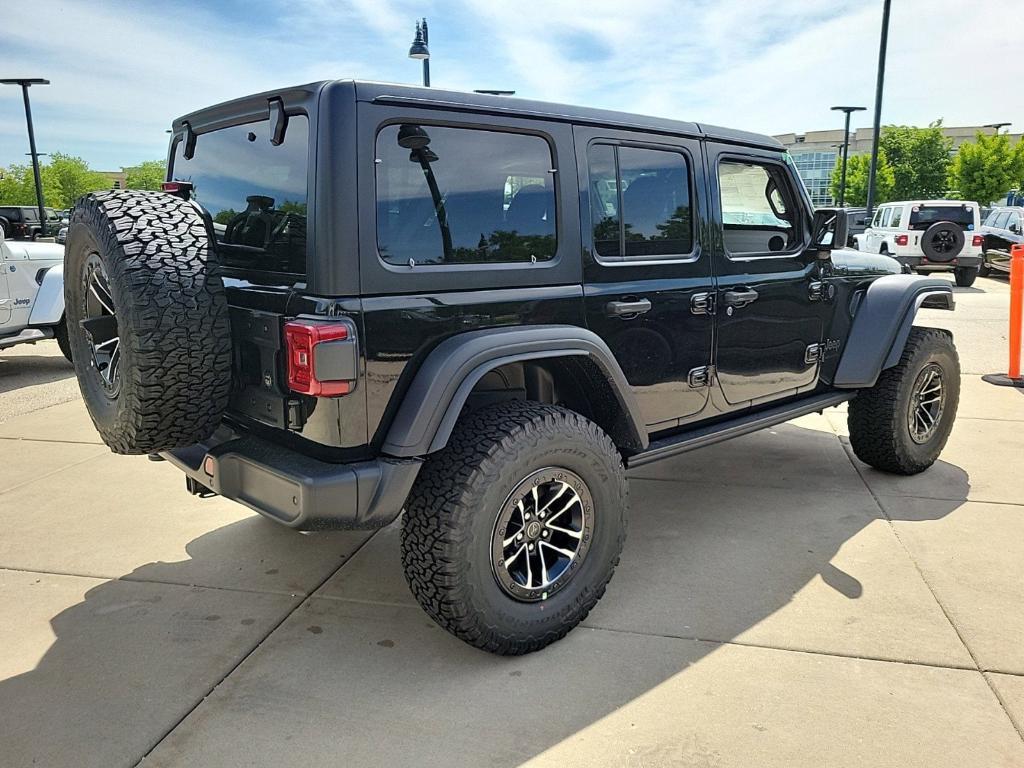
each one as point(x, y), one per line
point(355, 300)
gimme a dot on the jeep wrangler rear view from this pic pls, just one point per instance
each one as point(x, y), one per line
point(356, 301)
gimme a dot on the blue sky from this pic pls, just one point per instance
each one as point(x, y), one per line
point(122, 70)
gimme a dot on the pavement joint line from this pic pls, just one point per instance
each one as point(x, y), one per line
point(288, 614)
point(784, 649)
point(50, 440)
point(357, 601)
point(935, 597)
point(135, 580)
point(37, 478)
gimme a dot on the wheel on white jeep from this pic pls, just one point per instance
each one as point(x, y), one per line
point(902, 423)
point(147, 320)
point(514, 529)
point(965, 276)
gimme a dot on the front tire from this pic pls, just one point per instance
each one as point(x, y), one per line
point(902, 423)
point(965, 276)
point(482, 550)
point(60, 333)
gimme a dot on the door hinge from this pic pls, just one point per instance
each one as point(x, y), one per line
point(816, 290)
point(701, 377)
point(815, 353)
point(702, 303)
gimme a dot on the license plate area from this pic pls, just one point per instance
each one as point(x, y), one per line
point(258, 392)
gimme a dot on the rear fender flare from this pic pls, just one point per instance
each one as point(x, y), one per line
point(882, 324)
point(48, 308)
point(443, 383)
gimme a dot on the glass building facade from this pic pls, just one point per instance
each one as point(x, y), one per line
point(815, 168)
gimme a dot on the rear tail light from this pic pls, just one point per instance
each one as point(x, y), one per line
point(977, 241)
point(322, 358)
point(902, 239)
point(182, 189)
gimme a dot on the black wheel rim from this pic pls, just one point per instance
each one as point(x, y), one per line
point(542, 534)
point(927, 402)
point(99, 321)
point(944, 241)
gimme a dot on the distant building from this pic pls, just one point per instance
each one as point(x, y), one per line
point(117, 178)
point(815, 153)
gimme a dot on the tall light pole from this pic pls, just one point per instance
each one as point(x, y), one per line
point(25, 82)
point(846, 148)
point(883, 42)
point(419, 50)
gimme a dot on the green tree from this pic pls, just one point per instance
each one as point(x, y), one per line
point(857, 169)
point(74, 178)
point(18, 186)
point(148, 175)
point(987, 168)
point(919, 158)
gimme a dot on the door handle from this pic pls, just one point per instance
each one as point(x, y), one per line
point(740, 298)
point(627, 309)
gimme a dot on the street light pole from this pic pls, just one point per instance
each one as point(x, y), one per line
point(419, 50)
point(25, 82)
point(996, 126)
point(878, 107)
point(846, 149)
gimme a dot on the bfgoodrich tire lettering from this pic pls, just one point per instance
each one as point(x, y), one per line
point(172, 323)
point(449, 524)
point(881, 418)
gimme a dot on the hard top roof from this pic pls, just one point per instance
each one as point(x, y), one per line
point(437, 98)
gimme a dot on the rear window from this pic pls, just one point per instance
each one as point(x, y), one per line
point(255, 192)
point(923, 216)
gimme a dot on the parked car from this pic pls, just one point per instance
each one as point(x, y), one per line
point(62, 235)
point(32, 294)
point(928, 236)
point(21, 222)
point(1003, 229)
point(856, 223)
point(355, 299)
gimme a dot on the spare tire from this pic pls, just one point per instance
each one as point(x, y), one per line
point(942, 241)
point(147, 319)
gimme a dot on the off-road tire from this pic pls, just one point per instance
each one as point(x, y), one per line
point(984, 270)
point(5, 226)
point(172, 319)
point(450, 519)
point(878, 417)
point(60, 334)
point(965, 276)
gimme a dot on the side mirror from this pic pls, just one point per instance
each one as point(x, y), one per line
point(1015, 229)
point(828, 230)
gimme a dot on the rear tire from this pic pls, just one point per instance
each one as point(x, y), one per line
point(895, 426)
point(965, 276)
point(153, 359)
point(984, 270)
point(472, 500)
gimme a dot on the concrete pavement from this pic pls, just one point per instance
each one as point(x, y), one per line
point(778, 603)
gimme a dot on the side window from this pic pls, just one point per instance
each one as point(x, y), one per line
point(876, 220)
point(463, 196)
point(887, 216)
point(639, 202)
point(758, 213)
point(1002, 220)
point(897, 217)
point(1014, 221)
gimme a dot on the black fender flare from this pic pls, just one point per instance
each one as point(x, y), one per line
point(443, 383)
point(882, 324)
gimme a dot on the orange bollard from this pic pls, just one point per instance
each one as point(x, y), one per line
point(1013, 377)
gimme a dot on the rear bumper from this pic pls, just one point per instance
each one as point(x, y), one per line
point(921, 262)
point(294, 489)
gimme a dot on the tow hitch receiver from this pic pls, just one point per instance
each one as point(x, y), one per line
point(198, 489)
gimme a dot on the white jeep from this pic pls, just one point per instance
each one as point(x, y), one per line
point(32, 294)
point(928, 236)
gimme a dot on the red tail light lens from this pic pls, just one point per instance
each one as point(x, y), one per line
point(301, 342)
point(977, 241)
point(182, 189)
point(902, 239)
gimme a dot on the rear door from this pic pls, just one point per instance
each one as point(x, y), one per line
point(770, 316)
point(647, 274)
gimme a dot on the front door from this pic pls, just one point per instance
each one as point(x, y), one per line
point(770, 316)
point(647, 275)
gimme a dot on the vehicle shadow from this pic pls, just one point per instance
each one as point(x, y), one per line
point(713, 552)
point(22, 370)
